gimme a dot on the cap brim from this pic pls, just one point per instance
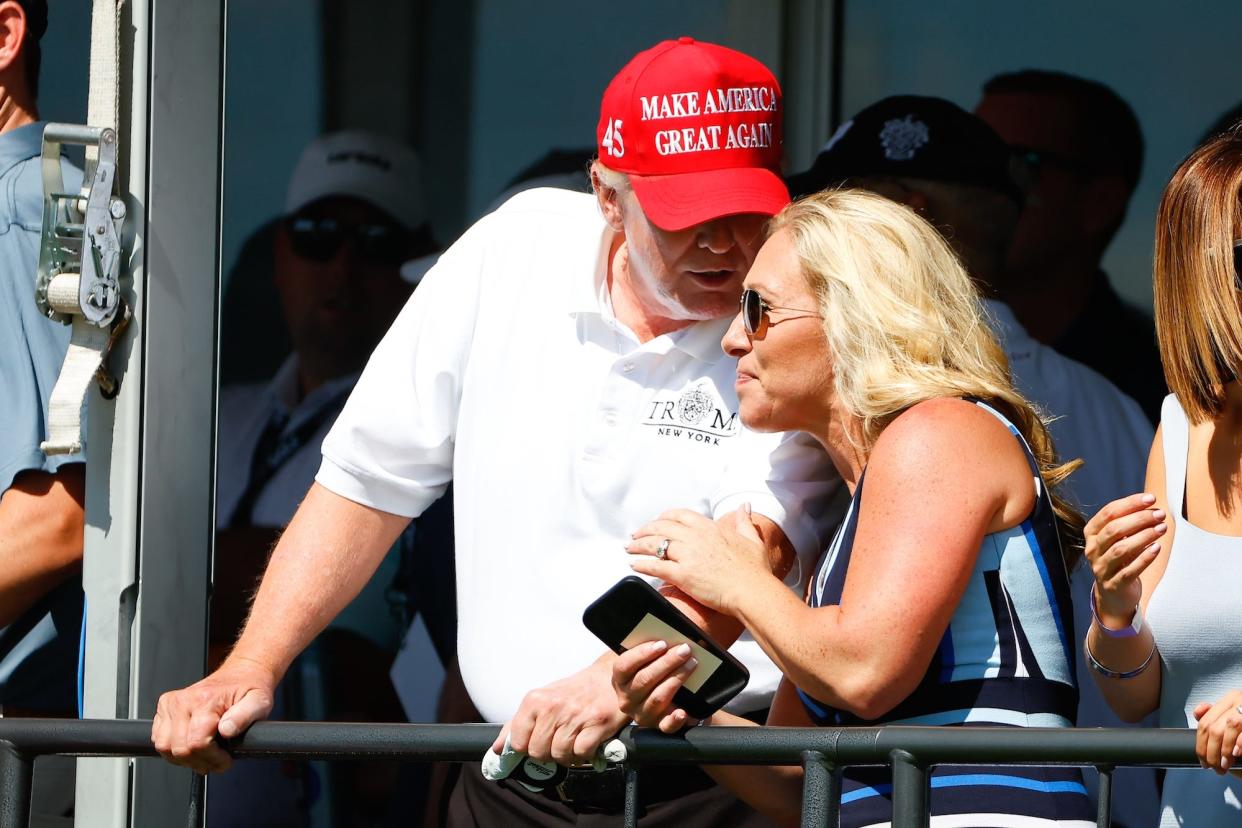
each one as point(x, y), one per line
point(675, 202)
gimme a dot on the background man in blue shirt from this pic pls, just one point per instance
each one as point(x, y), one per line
point(40, 497)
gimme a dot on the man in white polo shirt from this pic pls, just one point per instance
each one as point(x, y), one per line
point(562, 365)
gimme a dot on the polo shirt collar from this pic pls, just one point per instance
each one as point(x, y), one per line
point(283, 391)
point(700, 340)
point(21, 144)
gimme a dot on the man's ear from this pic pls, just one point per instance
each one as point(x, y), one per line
point(609, 200)
point(12, 32)
point(916, 200)
point(894, 189)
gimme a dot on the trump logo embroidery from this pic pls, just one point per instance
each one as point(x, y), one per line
point(696, 414)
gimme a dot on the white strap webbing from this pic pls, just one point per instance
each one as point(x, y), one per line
point(103, 107)
point(88, 341)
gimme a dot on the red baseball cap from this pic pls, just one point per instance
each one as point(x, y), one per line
point(698, 129)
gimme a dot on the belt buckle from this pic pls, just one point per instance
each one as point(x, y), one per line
point(600, 798)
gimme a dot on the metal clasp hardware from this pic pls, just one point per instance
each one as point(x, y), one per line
point(80, 247)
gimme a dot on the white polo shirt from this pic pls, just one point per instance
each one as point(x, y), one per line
point(508, 373)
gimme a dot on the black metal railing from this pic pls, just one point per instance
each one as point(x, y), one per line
point(823, 752)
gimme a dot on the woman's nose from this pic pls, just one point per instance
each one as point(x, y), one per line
point(736, 342)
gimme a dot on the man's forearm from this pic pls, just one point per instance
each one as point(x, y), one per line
point(330, 550)
point(41, 523)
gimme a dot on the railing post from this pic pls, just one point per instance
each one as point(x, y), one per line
point(198, 796)
point(16, 773)
point(910, 791)
point(821, 792)
point(1104, 800)
point(631, 796)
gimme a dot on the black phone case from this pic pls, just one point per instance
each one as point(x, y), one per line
point(614, 614)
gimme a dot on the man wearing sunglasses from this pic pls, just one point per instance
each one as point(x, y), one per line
point(1080, 148)
point(562, 365)
point(354, 215)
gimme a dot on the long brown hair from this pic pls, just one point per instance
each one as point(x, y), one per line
point(1197, 319)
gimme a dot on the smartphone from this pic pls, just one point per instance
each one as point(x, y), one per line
point(632, 612)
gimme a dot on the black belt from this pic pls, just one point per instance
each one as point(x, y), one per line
point(586, 791)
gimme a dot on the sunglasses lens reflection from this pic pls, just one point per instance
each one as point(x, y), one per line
point(319, 240)
point(381, 244)
point(315, 240)
point(752, 310)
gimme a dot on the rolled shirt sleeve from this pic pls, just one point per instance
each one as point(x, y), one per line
point(32, 347)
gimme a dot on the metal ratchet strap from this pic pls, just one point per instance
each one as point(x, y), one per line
point(87, 301)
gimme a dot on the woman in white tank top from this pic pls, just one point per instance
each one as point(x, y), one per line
point(1175, 552)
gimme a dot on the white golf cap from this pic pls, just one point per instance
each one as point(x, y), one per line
point(364, 165)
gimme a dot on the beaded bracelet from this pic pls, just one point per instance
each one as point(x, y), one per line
point(1113, 674)
point(1136, 623)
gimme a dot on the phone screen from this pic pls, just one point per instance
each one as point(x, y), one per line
point(650, 628)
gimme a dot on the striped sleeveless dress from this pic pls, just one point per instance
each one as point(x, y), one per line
point(1006, 659)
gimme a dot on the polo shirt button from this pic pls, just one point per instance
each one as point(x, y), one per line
point(610, 419)
point(628, 367)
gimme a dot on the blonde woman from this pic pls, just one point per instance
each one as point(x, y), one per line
point(944, 598)
point(1168, 563)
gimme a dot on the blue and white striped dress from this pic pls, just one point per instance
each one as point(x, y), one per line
point(1005, 659)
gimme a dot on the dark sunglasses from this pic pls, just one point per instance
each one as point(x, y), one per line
point(754, 308)
point(320, 239)
point(1037, 159)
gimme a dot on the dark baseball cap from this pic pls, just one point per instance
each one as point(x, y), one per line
point(913, 137)
point(36, 17)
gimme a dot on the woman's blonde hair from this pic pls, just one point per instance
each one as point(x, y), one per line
point(1197, 319)
point(904, 324)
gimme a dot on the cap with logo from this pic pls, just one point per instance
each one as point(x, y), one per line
point(914, 137)
point(362, 165)
point(697, 127)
